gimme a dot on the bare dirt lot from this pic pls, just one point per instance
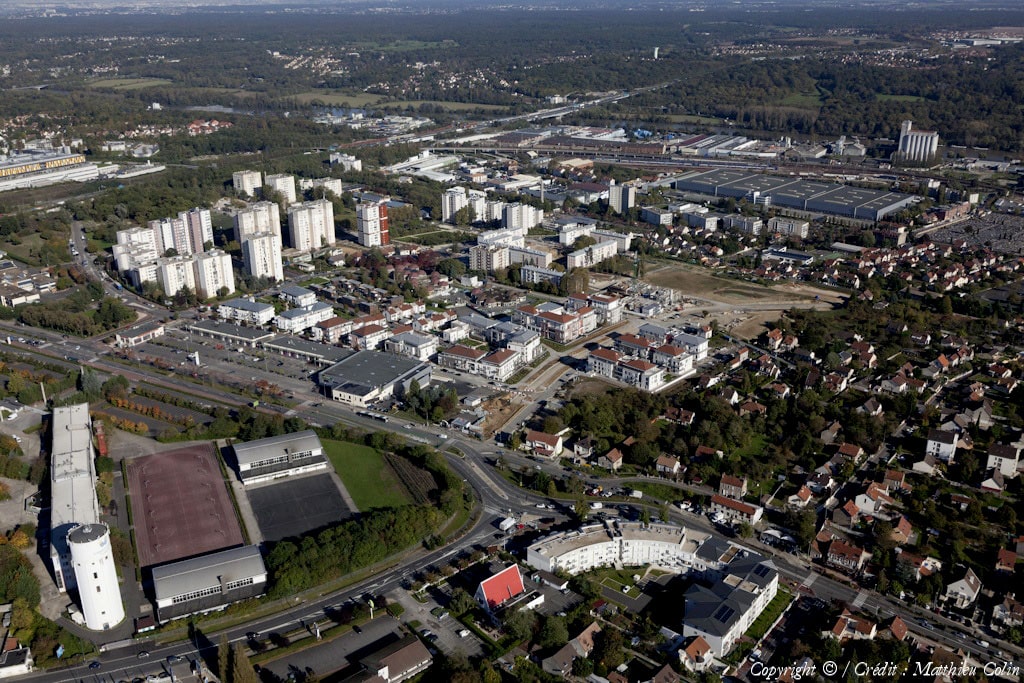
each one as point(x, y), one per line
point(701, 283)
point(499, 411)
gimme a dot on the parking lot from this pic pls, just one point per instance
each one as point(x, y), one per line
point(297, 505)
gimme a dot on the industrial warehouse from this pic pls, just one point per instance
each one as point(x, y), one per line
point(796, 193)
point(370, 376)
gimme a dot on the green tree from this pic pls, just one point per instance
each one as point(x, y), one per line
point(520, 624)
point(553, 633)
point(461, 602)
point(224, 659)
point(241, 667)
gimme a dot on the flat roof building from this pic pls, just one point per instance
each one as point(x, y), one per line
point(72, 486)
point(277, 457)
point(209, 582)
point(231, 334)
point(369, 376)
point(805, 195)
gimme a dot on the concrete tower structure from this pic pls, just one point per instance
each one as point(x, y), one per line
point(373, 224)
point(96, 575)
point(917, 146)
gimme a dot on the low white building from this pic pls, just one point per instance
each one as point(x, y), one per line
point(300, 319)
point(413, 344)
point(277, 457)
point(246, 311)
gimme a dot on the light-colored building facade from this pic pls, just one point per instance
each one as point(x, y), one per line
point(277, 457)
point(521, 216)
point(488, 258)
point(621, 198)
point(917, 146)
point(175, 273)
point(261, 253)
point(283, 184)
point(372, 219)
point(213, 274)
point(300, 319)
point(199, 229)
point(96, 575)
point(311, 225)
point(247, 182)
point(246, 311)
point(256, 219)
point(591, 256)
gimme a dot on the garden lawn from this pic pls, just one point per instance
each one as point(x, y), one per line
point(368, 479)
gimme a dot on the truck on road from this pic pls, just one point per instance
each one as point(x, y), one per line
point(507, 523)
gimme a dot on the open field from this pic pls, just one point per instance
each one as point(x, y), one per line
point(367, 478)
point(330, 97)
point(754, 324)
point(696, 282)
point(690, 118)
point(128, 83)
point(702, 284)
point(802, 99)
point(899, 98)
point(452, 106)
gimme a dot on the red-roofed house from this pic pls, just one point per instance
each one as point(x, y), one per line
point(547, 445)
point(801, 497)
point(898, 628)
point(732, 487)
point(667, 465)
point(603, 362)
point(500, 588)
point(902, 530)
point(696, 655)
point(500, 365)
point(1005, 561)
point(848, 558)
point(612, 460)
point(736, 510)
point(849, 627)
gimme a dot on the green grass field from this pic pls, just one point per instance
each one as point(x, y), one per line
point(330, 97)
point(899, 98)
point(128, 83)
point(802, 99)
point(367, 477)
point(453, 106)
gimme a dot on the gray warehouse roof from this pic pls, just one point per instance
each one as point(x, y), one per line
point(246, 305)
point(72, 477)
point(370, 369)
point(227, 330)
point(208, 571)
point(306, 347)
point(261, 449)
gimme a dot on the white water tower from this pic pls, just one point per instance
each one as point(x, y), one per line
point(656, 53)
point(93, 561)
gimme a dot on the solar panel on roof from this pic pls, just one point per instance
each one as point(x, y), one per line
point(723, 614)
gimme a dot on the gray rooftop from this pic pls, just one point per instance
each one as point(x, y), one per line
point(307, 347)
point(221, 329)
point(87, 533)
point(295, 291)
point(208, 571)
point(414, 339)
point(261, 449)
point(246, 305)
point(305, 310)
point(370, 369)
point(72, 473)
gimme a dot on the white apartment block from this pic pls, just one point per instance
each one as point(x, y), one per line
point(478, 203)
point(623, 240)
point(247, 182)
point(372, 219)
point(311, 225)
point(453, 200)
point(621, 198)
point(173, 234)
point(494, 210)
point(505, 237)
point(332, 184)
point(136, 246)
point(213, 273)
point(529, 257)
point(246, 311)
point(199, 227)
point(346, 161)
point(283, 183)
point(262, 255)
point(571, 229)
point(257, 218)
point(174, 273)
point(521, 216)
point(917, 145)
point(789, 226)
point(488, 258)
point(532, 275)
point(591, 256)
point(298, 320)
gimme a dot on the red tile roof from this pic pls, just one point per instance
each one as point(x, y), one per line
point(503, 586)
point(465, 352)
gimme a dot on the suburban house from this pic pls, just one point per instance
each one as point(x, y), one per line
point(732, 487)
point(500, 588)
point(849, 627)
point(845, 557)
point(941, 444)
point(735, 510)
point(612, 460)
point(546, 445)
point(965, 591)
point(667, 465)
